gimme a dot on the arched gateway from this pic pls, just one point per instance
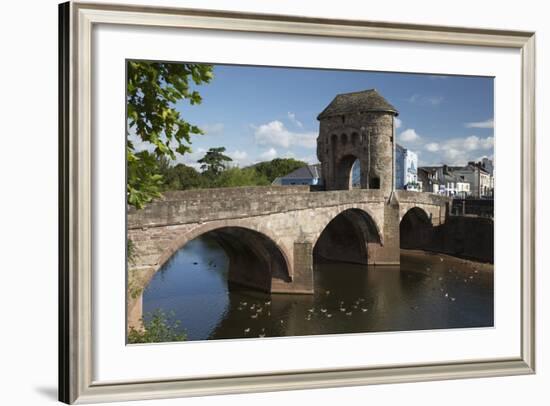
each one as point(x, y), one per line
point(275, 232)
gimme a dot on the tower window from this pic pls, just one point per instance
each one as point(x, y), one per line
point(374, 183)
point(355, 139)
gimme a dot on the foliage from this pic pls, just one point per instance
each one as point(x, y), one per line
point(182, 177)
point(214, 162)
point(153, 88)
point(233, 177)
point(159, 328)
point(144, 180)
point(278, 167)
point(134, 289)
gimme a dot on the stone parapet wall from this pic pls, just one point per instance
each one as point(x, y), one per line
point(216, 193)
point(405, 196)
point(222, 204)
point(475, 207)
point(435, 206)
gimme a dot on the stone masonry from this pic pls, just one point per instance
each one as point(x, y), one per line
point(271, 235)
point(357, 126)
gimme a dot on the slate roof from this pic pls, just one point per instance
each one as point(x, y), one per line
point(366, 100)
point(446, 173)
point(305, 172)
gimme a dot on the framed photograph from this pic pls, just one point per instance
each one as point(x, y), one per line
point(256, 202)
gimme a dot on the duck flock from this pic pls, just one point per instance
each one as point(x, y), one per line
point(256, 310)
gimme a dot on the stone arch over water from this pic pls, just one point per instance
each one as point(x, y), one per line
point(255, 260)
point(347, 236)
point(415, 229)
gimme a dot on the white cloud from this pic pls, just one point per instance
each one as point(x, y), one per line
point(240, 158)
point(435, 100)
point(418, 99)
point(275, 133)
point(398, 122)
point(287, 154)
point(452, 154)
point(432, 146)
point(139, 144)
point(294, 120)
point(238, 155)
point(268, 155)
point(191, 158)
point(273, 153)
point(490, 123)
point(310, 159)
point(474, 143)
point(460, 150)
point(212, 129)
point(409, 135)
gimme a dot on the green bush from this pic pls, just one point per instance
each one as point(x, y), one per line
point(277, 167)
point(183, 177)
point(159, 328)
point(234, 177)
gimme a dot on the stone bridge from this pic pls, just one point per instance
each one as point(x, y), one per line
point(272, 235)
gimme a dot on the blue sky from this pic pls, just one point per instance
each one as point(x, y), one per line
point(260, 113)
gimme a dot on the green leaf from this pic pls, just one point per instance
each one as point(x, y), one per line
point(153, 89)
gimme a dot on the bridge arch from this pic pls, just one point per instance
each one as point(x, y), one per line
point(255, 259)
point(415, 228)
point(347, 236)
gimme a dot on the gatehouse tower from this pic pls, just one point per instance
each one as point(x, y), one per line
point(358, 126)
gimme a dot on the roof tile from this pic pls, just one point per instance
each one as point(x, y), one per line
point(366, 100)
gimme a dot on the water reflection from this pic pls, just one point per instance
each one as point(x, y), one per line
point(425, 292)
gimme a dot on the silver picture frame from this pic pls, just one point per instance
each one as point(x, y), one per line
point(76, 21)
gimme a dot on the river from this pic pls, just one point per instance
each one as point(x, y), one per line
point(427, 291)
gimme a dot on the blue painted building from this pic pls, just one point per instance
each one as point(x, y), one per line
point(406, 169)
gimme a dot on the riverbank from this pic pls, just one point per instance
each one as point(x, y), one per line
point(456, 261)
